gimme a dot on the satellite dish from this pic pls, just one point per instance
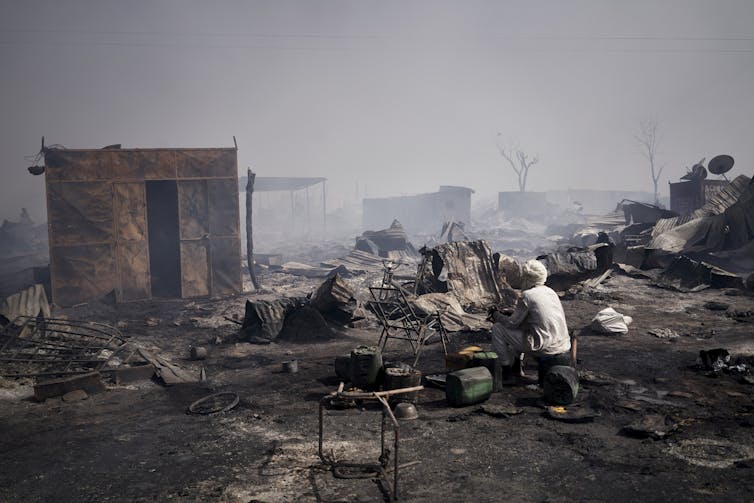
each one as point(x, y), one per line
point(720, 165)
point(698, 172)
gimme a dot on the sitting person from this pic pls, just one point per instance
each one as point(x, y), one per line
point(537, 325)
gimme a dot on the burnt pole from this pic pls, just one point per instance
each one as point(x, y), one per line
point(249, 234)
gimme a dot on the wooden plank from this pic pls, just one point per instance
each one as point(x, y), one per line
point(125, 374)
point(90, 382)
point(170, 373)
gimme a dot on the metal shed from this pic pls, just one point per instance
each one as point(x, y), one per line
point(142, 223)
point(687, 196)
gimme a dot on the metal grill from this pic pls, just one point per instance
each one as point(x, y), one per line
point(53, 347)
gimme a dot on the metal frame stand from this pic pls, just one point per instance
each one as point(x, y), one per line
point(400, 321)
point(381, 467)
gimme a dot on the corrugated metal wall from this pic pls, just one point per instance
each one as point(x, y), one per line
point(97, 214)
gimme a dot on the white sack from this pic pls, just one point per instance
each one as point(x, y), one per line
point(609, 321)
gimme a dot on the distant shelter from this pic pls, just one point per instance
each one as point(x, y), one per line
point(422, 212)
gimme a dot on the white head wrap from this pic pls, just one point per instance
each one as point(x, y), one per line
point(534, 274)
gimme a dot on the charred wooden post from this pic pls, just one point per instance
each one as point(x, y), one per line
point(249, 235)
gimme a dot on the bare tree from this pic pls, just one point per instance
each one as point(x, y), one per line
point(648, 139)
point(520, 164)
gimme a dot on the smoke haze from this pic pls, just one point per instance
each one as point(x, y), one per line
point(381, 97)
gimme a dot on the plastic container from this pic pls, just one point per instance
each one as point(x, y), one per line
point(547, 362)
point(468, 386)
point(489, 360)
point(561, 385)
point(366, 364)
point(461, 359)
point(396, 378)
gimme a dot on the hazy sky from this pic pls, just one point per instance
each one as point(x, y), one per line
point(393, 96)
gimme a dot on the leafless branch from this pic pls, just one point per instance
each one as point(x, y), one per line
point(648, 140)
point(509, 158)
point(522, 167)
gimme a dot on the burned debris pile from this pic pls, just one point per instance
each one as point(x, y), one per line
point(302, 319)
point(65, 356)
point(465, 270)
point(709, 247)
point(573, 265)
point(724, 224)
point(391, 243)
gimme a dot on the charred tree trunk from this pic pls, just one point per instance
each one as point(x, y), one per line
point(249, 234)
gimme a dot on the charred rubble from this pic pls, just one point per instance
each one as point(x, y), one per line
point(396, 323)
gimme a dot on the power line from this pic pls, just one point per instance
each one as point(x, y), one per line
point(179, 45)
point(747, 38)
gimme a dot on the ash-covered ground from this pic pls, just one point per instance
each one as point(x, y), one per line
point(136, 442)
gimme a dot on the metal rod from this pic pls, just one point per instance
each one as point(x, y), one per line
point(42, 360)
point(321, 428)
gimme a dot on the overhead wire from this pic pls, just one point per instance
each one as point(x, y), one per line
point(682, 38)
point(658, 50)
point(424, 43)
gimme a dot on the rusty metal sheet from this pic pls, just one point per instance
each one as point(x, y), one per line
point(133, 267)
point(160, 165)
point(127, 164)
point(194, 269)
point(69, 165)
point(193, 210)
point(82, 273)
point(210, 163)
point(130, 211)
point(80, 212)
point(223, 207)
point(226, 266)
point(143, 164)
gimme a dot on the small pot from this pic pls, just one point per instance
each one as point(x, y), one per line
point(290, 367)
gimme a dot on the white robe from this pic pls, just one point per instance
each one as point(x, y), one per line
point(537, 326)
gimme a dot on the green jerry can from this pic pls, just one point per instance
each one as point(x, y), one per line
point(366, 364)
point(468, 386)
point(489, 360)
